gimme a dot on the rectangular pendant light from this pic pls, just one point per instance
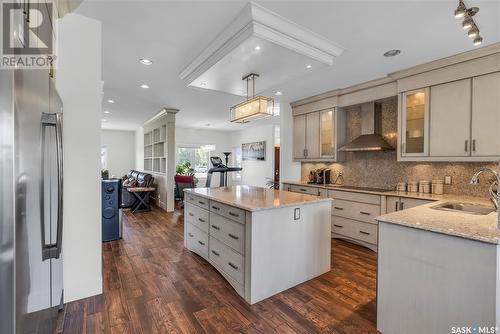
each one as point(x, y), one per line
point(255, 108)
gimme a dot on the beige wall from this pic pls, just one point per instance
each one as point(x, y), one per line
point(382, 170)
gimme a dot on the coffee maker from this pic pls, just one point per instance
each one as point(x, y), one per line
point(323, 176)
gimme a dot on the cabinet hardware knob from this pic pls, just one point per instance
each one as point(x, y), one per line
point(233, 214)
point(215, 253)
point(338, 208)
point(216, 227)
point(466, 145)
point(363, 232)
point(339, 226)
point(191, 214)
point(215, 207)
point(202, 203)
point(473, 145)
point(201, 220)
point(191, 235)
point(302, 189)
point(201, 243)
point(365, 213)
point(233, 266)
point(233, 236)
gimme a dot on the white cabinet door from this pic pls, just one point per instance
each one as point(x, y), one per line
point(327, 134)
point(392, 204)
point(414, 134)
point(299, 136)
point(486, 115)
point(312, 135)
point(450, 117)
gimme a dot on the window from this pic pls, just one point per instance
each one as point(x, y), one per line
point(236, 162)
point(197, 156)
point(104, 157)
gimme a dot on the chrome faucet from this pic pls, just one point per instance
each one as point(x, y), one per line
point(493, 193)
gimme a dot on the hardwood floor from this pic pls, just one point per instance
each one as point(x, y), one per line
point(153, 285)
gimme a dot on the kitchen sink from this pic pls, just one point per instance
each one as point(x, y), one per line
point(474, 209)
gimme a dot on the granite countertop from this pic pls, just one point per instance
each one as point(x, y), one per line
point(255, 198)
point(460, 224)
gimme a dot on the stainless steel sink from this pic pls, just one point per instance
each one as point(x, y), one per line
point(474, 209)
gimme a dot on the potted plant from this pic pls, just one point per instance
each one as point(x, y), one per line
point(184, 168)
point(104, 173)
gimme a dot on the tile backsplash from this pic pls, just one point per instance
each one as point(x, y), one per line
point(382, 170)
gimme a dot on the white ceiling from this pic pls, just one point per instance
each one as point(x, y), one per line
point(173, 33)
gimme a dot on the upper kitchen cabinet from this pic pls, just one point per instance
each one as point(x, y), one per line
point(485, 115)
point(316, 135)
point(450, 108)
point(414, 116)
point(452, 121)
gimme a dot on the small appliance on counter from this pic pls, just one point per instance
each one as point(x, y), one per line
point(323, 176)
point(312, 177)
point(111, 209)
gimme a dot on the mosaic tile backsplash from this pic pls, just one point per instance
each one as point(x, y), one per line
point(382, 170)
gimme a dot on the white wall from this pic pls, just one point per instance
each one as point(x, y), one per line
point(139, 149)
point(254, 173)
point(121, 151)
point(79, 83)
point(289, 169)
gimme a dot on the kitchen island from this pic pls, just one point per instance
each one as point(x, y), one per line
point(439, 269)
point(262, 241)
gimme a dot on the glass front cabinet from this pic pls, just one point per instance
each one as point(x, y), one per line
point(414, 141)
point(327, 134)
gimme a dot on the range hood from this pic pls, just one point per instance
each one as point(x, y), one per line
point(371, 127)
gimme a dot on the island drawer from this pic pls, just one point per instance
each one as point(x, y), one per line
point(197, 216)
point(354, 196)
point(354, 210)
point(228, 211)
point(197, 200)
point(197, 240)
point(232, 263)
point(355, 229)
point(304, 190)
point(230, 233)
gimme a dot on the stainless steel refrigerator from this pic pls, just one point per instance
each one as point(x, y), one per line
point(31, 183)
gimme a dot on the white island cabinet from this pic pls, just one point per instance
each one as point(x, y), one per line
point(262, 241)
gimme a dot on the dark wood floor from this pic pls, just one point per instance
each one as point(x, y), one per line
point(153, 285)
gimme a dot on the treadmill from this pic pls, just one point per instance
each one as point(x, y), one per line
point(219, 167)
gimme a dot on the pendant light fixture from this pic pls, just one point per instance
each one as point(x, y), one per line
point(253, 108)
point(468, 23)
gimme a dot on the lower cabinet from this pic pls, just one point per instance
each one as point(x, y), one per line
point(353, 217)
point(396, 203)
point(216, 232)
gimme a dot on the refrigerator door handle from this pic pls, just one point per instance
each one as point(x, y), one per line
point(52, 250)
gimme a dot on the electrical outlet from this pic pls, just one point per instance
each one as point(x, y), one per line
point(296, 214)
point(448, 180)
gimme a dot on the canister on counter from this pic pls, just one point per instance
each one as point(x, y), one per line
point(401, 186)
point(425, 186)
point(413, 186)
point(437, 187)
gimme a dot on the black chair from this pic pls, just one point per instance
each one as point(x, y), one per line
point(182, 182)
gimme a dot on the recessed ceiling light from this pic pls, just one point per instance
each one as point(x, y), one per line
point(308, 66)
point(107, 112)
point(203, 84)
point(104, 120)
point(145, 61)
point(278, 93)
point(392, 53)
point(144, 86)
point(257, 47)
point(110, 101)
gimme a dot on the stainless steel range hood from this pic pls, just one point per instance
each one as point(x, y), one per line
point(371, 127)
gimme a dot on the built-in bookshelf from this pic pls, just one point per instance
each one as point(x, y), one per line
point(155, 159)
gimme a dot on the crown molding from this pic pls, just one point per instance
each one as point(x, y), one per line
point(255, 20)
point(447, 61)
